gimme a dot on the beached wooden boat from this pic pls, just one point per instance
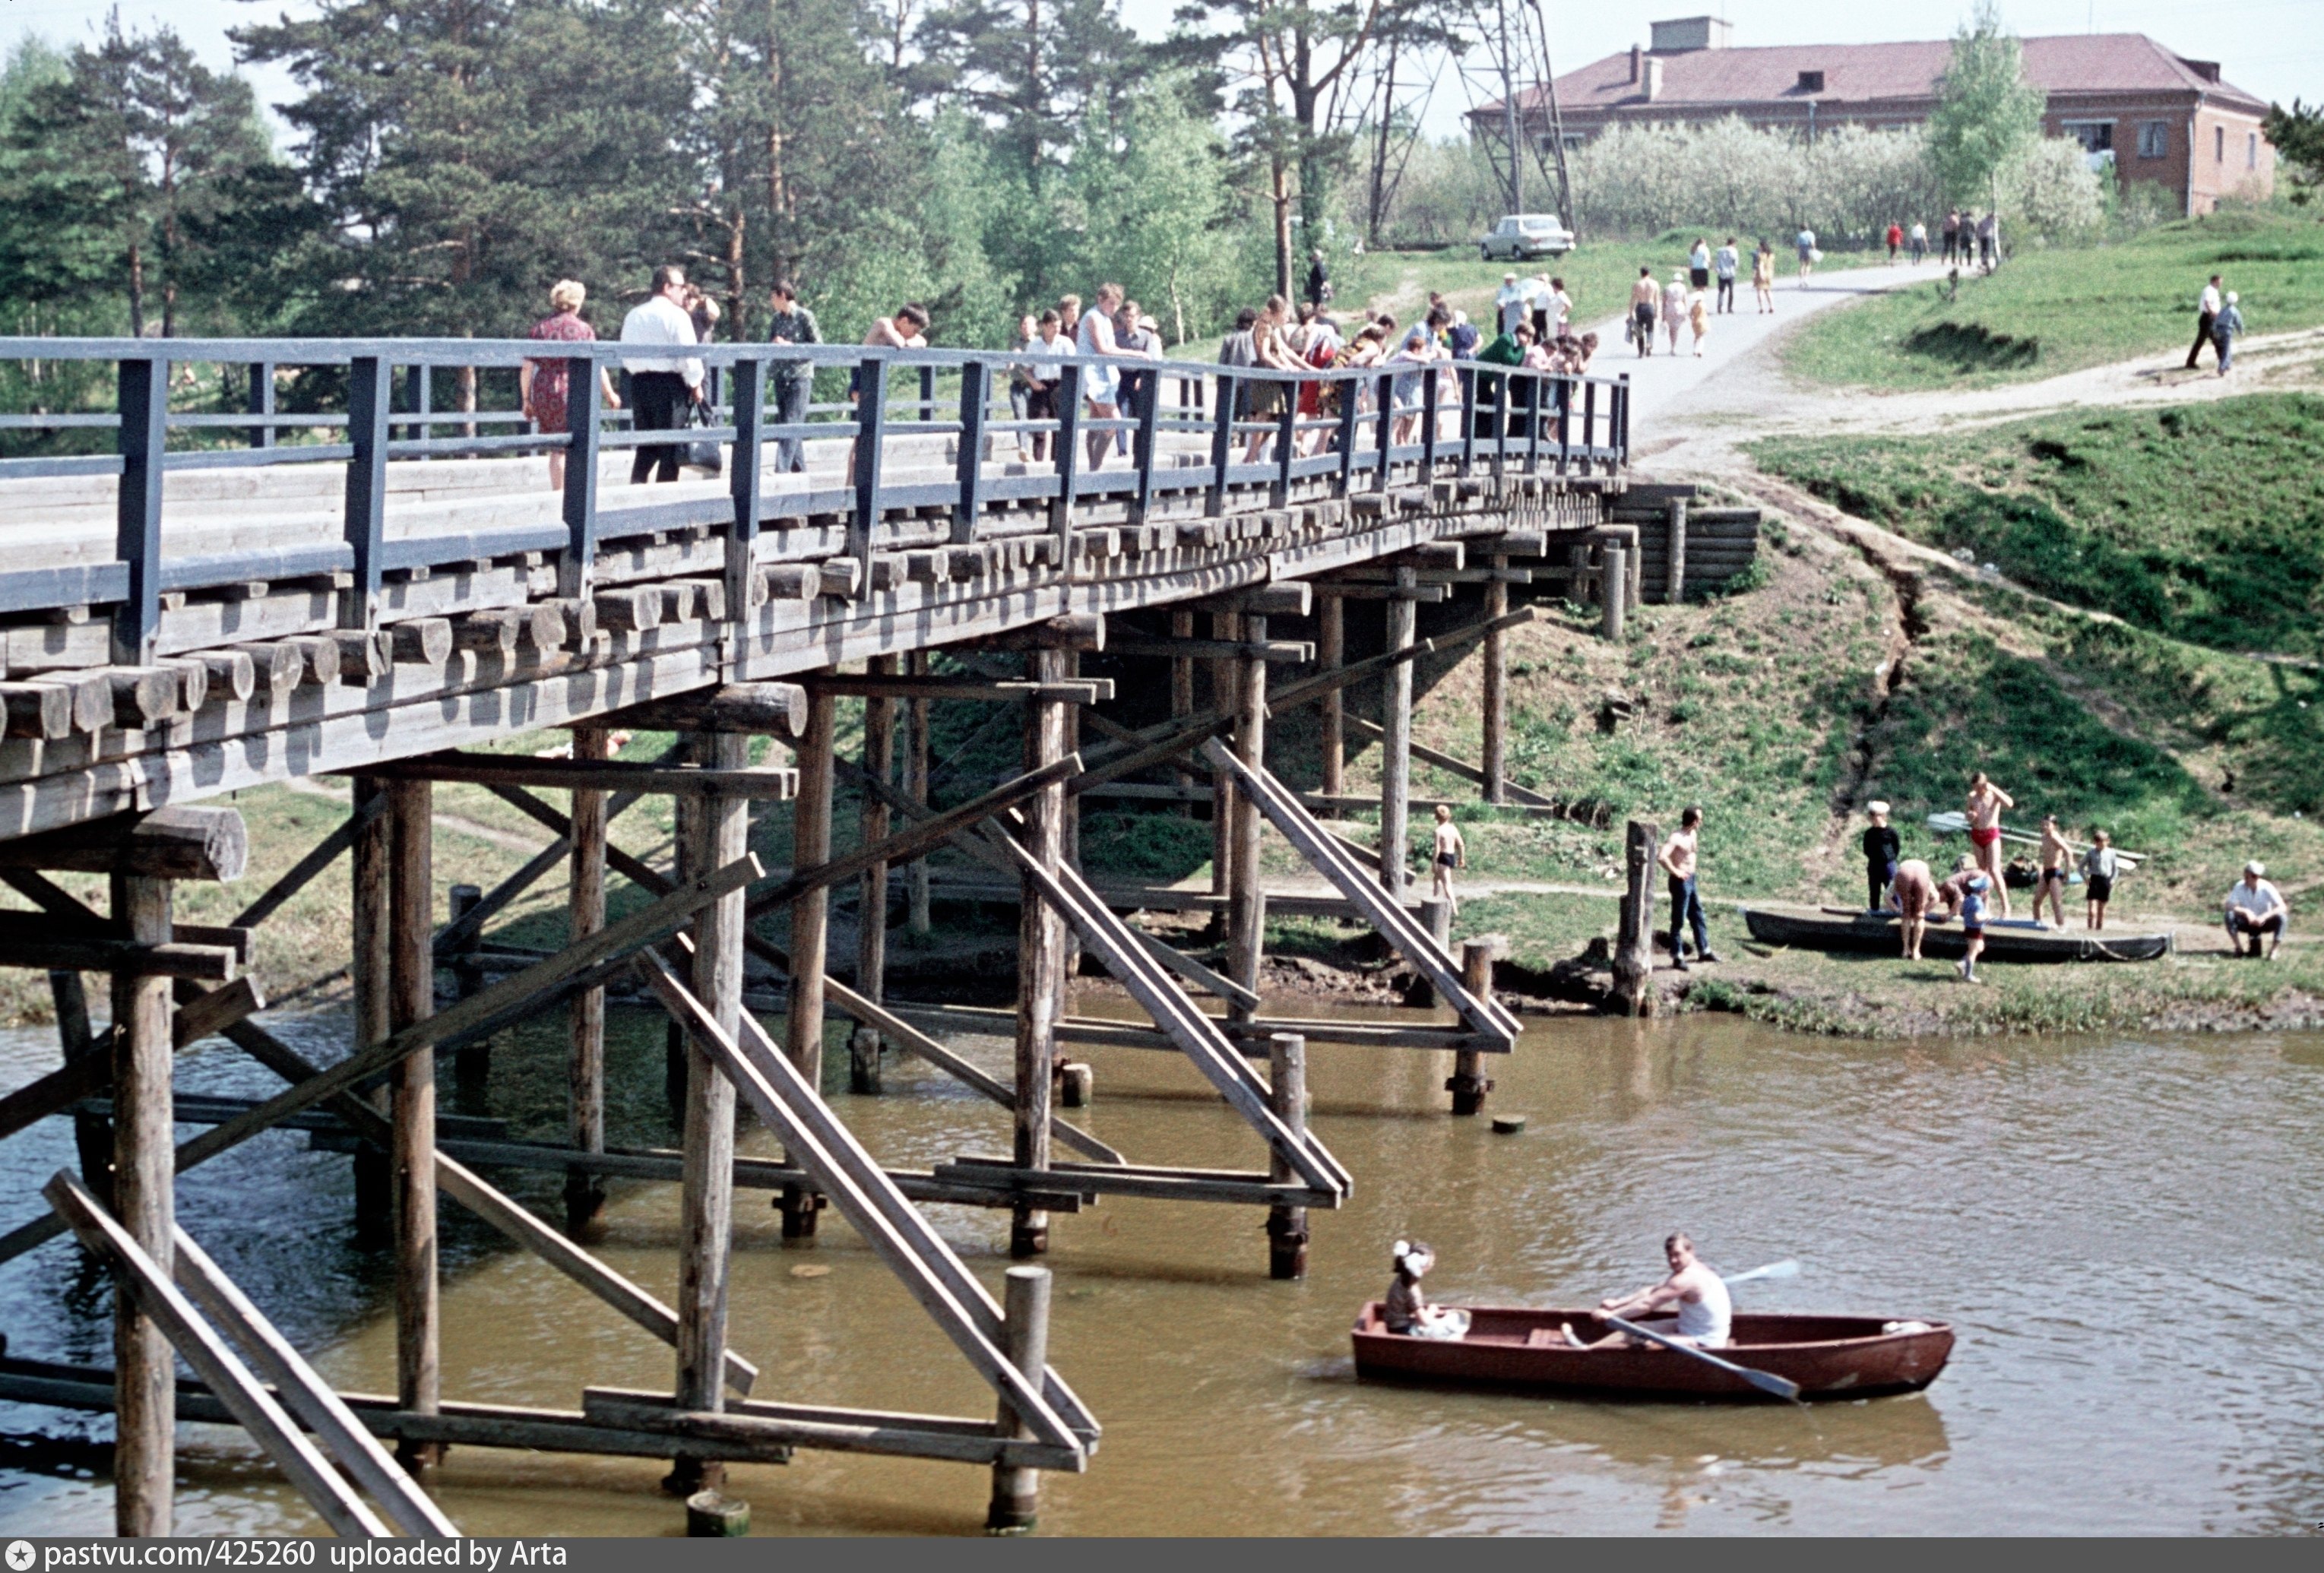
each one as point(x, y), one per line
point(2009, 939)
point(1514, 1347)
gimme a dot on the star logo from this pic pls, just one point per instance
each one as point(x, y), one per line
point(20, 1555)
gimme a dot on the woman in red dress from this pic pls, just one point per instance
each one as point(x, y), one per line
point(544, 381)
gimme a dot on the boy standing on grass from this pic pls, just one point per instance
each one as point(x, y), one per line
point(1678, 861)
point(2099, 865)
point(1972, 917)
point(1882, 847)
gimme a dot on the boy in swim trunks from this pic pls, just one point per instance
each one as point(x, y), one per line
point(1452, 852)
point(1912, 892)
point(1986, 802)
point(2051, 884)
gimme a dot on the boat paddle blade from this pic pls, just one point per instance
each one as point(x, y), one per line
point(1950, 823)
point(1767, 1382)
point(1787, 1268)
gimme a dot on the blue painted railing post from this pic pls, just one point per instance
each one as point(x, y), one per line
point(1589, 427)
point(370, 401)
point(1142, 443)
point(1287, 446)
point(1501, 422)
point(1467, 376)
point(1346, 435)
point(1537, 399)
point(423, 401)
point(928, 392)
point(144, 436)
point(261, 402)
point(975, 399)
point(748, 388)
point(1223, 435)
point(577, 567)
point(1386, 403)
point(1069, 461)
point(1621, 443)
point(871, 434)
point(1429, 391)
point(1564, 425)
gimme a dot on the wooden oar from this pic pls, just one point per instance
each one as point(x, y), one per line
point(1955, 823)
point(1787, 1268)
point(1764, 1381)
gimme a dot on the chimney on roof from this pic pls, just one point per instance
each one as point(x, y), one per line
point(1636, 54)
point(1686, 34)
point(2207, 69)
point(1654, 83)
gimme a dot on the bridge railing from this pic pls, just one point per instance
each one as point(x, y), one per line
point(1180, 435)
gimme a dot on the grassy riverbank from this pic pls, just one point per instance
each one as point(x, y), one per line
point(2045, 313)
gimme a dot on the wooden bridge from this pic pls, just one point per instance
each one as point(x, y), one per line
point(230, 597)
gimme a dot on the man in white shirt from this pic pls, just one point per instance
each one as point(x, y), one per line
point(1513, 301)
point(2207, 311)
point(661, 387)
point(1725, 264)
point(2257, 908)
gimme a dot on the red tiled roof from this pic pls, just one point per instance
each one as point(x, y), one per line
point(1853, 73)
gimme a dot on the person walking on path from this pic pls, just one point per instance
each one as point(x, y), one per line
point(2207, 312)
point(1678, 861)
point(1698, 265)
point(1557, 306)
point(1882, 846)
point(1698, 317)
point(1912, 892)
point(1917, 242)
point(1896, 241)
point(663, 387)
point(1674, 307)
point(1988, 241)
point(2049, 884)
point(1804, 242)
point(794, 323)
point(1986, 802)
point(544, 382)
point(2257, 908)
point(1951, 234)
point(1726, 264)
point(2224, 329)
point(1643, 298)
point(1319, 281)
point(1763, 277)
point(2100, 864)
point(1451, 852)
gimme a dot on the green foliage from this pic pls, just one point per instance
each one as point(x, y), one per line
point(2298, 135)
point(1986, 113)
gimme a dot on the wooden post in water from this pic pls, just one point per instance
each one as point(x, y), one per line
point(471, 1063)
point(1182, 694)
point(1025, 1331)
point(1633, 955)
point(1436, 917)
point(1225, 626)
point(1040, 953)
point(1469, 1083)
point(584, 1194)
point(717, 832)
point(916, 786)
point(1286, 1227)
point(1069, 666)
point(412, 1084)
point(810, 932)
point(1330, 655)
point(1496, 719)
point(1246, 890)
point(145, 1379)
point(368, 862)
point(92, 1133)
point(1396, 739)
point(871, 911)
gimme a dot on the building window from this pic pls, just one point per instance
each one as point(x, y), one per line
point(2218, 144)
point(2251, 150)
point(2096, 136)
point(2154, 139)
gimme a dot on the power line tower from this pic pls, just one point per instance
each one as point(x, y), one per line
point(1510, 55)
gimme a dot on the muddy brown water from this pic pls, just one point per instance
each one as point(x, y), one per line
point(2122, 1230)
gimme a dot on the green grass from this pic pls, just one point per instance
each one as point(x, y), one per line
point(2048, 312)
point(2203, 523)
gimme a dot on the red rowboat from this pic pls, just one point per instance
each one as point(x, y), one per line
point(1830, 1357)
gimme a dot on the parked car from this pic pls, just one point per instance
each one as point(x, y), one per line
point(1527, 235)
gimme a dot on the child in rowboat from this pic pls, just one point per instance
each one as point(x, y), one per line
point(1403, 1311)
point(1700, 1311)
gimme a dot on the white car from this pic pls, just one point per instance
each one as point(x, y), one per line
point(1527, 235)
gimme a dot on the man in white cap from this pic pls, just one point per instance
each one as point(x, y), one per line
point(2257, 908)
point(1403, 1310)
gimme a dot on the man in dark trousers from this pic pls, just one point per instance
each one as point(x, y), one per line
point(792, 324)
point(2207, 312)
point(1319, 283)
point(1678, 860)
point(662, 387)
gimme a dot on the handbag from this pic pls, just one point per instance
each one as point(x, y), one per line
point(701, 456)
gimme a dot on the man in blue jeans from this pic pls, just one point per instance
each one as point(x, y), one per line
point(792, 324)
point(1678, 862)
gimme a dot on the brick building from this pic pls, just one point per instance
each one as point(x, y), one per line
point(2155, 115)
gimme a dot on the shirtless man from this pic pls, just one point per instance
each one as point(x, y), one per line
point(2051, 884)
point(1986, 802)
point(1693, 1301)
point(1954, 889)
point(1910, 895)
point(906, 330)
point(1452, 852)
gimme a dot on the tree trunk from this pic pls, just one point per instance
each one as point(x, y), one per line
point(1280, 194)
point(136, 291)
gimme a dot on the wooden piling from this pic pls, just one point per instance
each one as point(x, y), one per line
point(1469, 1083)
point(916, 787)
point(718, 833)
point(412, 1084)
point(1616, 592)
point(92, 1132)
point(1225, 627)
point(1070, 848)
point(144, 1449)
point(471, 1065)
point(1674, 566)
point(1040, 953)
point(1396, 742)
point(1181, 690)
point(1331, 654)
point(368, 864)
point(871, 910)
point(584, 1194)
point(1246, 892)
point(1634, 955)
point(1015, 1505)
point(810, 930)
point(1286, 1227)
point(1496, 706)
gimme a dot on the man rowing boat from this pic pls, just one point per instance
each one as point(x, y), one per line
point(1703, 1314)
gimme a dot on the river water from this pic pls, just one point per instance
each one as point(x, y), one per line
point(2124, 1232)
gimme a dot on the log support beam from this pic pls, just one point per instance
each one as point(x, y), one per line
point(412, 1084)
point(1395, 747)
point(145, 1454)
point(864, 1048)
point(584, 1194)
point(810, 932)
point(1040, 953)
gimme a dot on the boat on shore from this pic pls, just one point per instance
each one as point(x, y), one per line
point(1518, 1346)
point(2006, 939)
